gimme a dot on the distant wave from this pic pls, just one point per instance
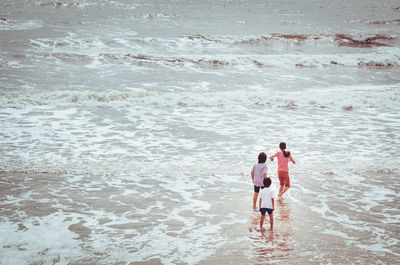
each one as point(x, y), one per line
point(11, 24)
point(58, 4)
point(382, 59)
point(363, 41)
point(71, 97)
point(287, 60)
point(159, 16)
point(345, 98)
point(189, 42)
point(215, 52)
point(384, 22)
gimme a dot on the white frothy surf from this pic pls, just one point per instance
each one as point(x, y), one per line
point(128, 133)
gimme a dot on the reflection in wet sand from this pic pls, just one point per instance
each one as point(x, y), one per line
point(270, 246)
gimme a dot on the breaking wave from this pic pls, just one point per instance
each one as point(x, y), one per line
point(287, 60)
point(11, 24)
point(387, 97)
point(364, 41)
point(217, 42)
point(382, 59)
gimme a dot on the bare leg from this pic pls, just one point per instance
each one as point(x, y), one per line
point(283, 191)
point(262, 222)
point(255, 200)
point(280, 189)
point(271, 221)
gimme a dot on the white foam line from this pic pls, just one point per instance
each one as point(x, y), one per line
point(338, 233)
point(378, 247)
point(11, 24)
point(328, 98)
point(49, 233)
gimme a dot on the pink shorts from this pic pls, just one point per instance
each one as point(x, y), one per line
point(284, 178)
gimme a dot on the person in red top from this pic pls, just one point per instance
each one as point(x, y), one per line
point(283, 169)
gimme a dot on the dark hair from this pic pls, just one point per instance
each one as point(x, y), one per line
point(262, 157)
point(282, 146)
point(267, 182)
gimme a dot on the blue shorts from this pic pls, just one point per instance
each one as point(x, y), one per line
point(268, 210)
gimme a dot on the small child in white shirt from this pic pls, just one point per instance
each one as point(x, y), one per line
point(267, 203)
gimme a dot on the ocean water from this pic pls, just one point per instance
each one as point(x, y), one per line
point(128, 130)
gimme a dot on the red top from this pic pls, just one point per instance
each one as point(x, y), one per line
point(282, 161)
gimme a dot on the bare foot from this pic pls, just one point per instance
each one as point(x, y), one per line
point(255, 209)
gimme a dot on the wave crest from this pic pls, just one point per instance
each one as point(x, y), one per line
point(361, 41)
point(335, 98)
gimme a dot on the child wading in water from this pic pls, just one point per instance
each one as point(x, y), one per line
point(267, 203)
point(258, 174)
point(283, 169)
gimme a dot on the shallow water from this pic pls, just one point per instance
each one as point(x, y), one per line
point(128, 131)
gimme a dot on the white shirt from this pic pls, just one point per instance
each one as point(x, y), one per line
point(266, 196)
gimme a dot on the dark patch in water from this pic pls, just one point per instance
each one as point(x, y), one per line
point(80, 229)
point(383, 22)
point(109, 56)
point(70, 57)
point(22, 227)
point(201, 37)
point(257, 63)
point(300, 65)
point(156, 15)
point(382, 172)
point(373, 41)
point(290, 106)
point(181, 104)
point(336, 63)
point(58, 4)
point(144, 58)
point(56, 260)
point(3, 19)
point(299, 37)
point(138, 57)
point(262, 104)
point(19, 56)
point(43, 252)
point(176, 60)
point(348, 108)
point(276, 36)
point(377, 65)
point(214, 63)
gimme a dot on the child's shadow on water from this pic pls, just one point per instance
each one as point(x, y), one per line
point(267, 245)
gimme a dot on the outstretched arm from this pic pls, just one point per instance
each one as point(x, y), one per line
point(291, 159)
point(272, 157)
